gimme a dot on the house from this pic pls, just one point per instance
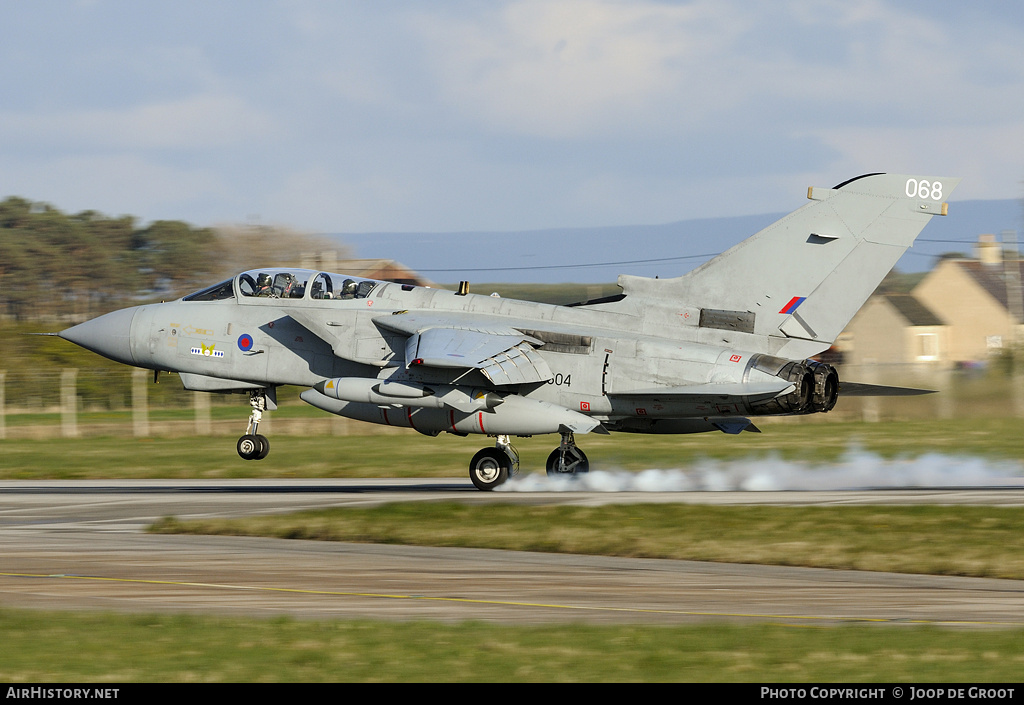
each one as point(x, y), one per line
point(961, 313)
point(980, 300)
point(894, 329)
point(382, 269)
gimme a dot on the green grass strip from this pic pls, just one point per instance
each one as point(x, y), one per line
point(936, 540)
point(116, 648)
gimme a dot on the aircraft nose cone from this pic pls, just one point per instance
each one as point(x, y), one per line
point(109, 335)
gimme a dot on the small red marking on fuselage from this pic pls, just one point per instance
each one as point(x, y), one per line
point(480, 416)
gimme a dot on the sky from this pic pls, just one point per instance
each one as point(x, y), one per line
point(332, 116)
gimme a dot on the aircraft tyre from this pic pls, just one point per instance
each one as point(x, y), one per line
point(489, 468)
point(571, 461)
point(250, 446)
point(264, 447)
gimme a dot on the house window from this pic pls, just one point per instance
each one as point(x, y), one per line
point(927, 347)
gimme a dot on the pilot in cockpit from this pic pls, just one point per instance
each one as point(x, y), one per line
point(348, 289)
point(263, 283)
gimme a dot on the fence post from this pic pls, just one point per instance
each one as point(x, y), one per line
point(140, 403)
point(945, 400)
point(69, 403)
point(1017, 390)
point(3, 404)
point(201, 404)
point(870, 407)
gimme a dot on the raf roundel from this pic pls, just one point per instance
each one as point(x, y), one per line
point(245, 342)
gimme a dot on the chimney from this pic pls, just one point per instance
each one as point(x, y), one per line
point(988, 251)
point(1011, 270)
point(329, 260)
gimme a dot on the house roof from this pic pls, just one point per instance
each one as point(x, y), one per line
point(915, 312)
point(993, 278)
point(361, 266)
point(387, 269)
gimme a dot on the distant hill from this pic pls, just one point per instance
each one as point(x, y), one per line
point(583, 255)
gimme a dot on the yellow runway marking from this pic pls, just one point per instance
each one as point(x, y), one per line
point(508, 603)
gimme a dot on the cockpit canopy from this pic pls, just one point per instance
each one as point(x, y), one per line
point(288, 283)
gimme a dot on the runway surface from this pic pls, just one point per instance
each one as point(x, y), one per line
point(80, 545)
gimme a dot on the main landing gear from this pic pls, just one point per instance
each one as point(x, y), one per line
point(493, 466)
point(253, 446)
point(567, 459)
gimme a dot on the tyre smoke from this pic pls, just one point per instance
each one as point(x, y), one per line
point(857, 469)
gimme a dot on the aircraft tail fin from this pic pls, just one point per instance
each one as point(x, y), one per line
point(806, 275)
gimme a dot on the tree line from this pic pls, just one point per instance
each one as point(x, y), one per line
point(55, 264)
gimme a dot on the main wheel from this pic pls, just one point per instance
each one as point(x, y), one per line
point(264, 447)
point(571, 461)
point(489, 468)
point(249, 446)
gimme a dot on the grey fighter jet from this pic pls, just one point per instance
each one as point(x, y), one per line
point(701, 352)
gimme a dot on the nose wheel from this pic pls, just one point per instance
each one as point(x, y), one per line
point(254, 446)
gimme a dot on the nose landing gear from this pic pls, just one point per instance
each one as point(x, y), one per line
point(253, 446)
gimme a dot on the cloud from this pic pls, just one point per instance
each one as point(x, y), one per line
point(571, 68)
point(197, 122)
point(577, 69)
point(990, 158)
point(318, 197)
point(509, 115)
point(114, 184)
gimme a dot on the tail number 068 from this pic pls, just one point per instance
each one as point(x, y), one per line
point(924, 189)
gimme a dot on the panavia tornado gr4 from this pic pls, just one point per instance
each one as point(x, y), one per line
point(702, 352)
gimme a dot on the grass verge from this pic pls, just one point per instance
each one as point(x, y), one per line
point(969, 541)
point(41, 647)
